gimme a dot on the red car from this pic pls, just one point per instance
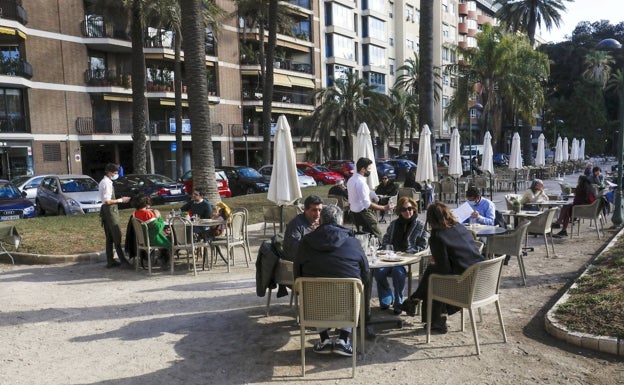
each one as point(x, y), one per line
point(321, 174)
point(344, 167)
point(222, 183)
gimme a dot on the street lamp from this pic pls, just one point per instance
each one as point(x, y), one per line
point(477, 107)
point(605, 45)
point(245, 133)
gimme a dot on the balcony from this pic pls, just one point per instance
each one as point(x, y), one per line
point(301, 3)
point(96, 27)
point(16, 67)
point(279, 96)
point(13, 10)
point(13, 125)
point(107, 78)
point(90, 126)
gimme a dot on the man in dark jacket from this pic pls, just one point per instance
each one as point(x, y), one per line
point(332, 251)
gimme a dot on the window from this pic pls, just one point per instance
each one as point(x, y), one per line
point(391, 65)
point(376, 28)
point(376, 56)
point(377, 5)
point(410, 44)
point(391, 41)
point(12, 110)
point(378, 81)
point(409, 13)
point(342, 16)
point(97, 66)
point(344, 47)
point(446, 54)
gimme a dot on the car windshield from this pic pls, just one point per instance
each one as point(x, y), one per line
point(70, 185)
point(248, 172)
point(20, 179)
point(8, 191)
point(159, 179)
point(300, 173)
point(320, 169)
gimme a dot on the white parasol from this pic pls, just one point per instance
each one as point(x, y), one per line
point(559, 151)
point(574, 150)
point(515, 160)
point(540, 157)
point(455, 161)
point(582, 150)
point(363, 148)
point(566, 149)
point(284, 186)
point(424, 170)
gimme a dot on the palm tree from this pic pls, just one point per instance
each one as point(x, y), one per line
point(408, 81)
point(341, 109)
point(598, 66)
point(194, 34)
point(526, 15)
point(426, 73)
point(403, 114)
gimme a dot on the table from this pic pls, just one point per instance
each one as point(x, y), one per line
point(520, 214)
point(9, 234)
point(201, 243)
point(552, 203)
point(402, 259)
point(486, 230)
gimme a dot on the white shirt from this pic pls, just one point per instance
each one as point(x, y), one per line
point(105, 189)
point(359, 193)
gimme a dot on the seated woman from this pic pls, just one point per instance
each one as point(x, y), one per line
point(221, 211)
point(406, 233)
point(155, 225)
point(453, 250)
point(535, 194)
point(583, 195)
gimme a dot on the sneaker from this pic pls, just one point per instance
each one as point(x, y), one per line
point(343, 348)
point(555, 225)
point(409, 306)
point(324, 347)
point(561, 234)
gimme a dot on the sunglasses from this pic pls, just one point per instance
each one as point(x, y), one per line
point(406, 209)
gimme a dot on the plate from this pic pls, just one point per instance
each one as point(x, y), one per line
point(391, 259)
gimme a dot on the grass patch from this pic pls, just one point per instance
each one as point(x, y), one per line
point(59, 235)
point(596, 304)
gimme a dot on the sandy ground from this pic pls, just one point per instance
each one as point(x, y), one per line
point(84, 324)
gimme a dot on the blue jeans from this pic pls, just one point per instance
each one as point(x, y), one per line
point(386, 297)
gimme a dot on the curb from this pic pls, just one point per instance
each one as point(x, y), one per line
point(604, 344)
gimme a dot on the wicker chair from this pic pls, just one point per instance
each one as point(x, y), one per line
point(541, 225)
point(330, 201)
point(510, 244)
point(236, 235)
point(282, 275)
point(593, 212)
point(477, 286)
point(141, 233)
point(182, 241)
point(330, 303)
point(271, 215)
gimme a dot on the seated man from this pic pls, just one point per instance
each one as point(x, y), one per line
point(339, 189)
point(484, 210)
point(200, 207)
point(332, 251)
point(301, 225)
point(388, 188)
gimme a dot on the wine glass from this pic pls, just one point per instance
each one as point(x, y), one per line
point(390, 250)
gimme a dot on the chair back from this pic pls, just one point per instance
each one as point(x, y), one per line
point(341, 202)
point(510, 244)
point(283, 273)
point(409, 192)
point(542, 224)
point(290, 212)
point(329, 302)
point(589, 211)
point(237, 226)
point(141, 233)
point(487, 278)
point(181, 231)
point(330, 201)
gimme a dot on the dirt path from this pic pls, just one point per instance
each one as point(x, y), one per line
point(84, 324)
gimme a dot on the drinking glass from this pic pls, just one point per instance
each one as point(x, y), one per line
point(390, 250)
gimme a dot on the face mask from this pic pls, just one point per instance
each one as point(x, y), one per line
point(115, 176)
point(367, 174)
point(472, 203)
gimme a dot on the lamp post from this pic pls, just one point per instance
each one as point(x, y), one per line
point(612, 44)
point(245, 134)
point(477, 107)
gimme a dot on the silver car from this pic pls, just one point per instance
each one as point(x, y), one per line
point(304, 180)
point(68, 195)
point(28, 184)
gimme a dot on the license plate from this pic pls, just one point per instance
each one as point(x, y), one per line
point(95, 210)
point(9, 217)
point(175, 192)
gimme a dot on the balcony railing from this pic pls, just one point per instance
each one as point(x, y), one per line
point(301, 3)
point(107, 78)
point(16, 67)
point(89, 126)
point(98, 28)
point(13, 124)
point(279, 96)
point(286, 64)
point(13, 10)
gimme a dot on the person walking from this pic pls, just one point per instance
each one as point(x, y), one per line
point(109, 214)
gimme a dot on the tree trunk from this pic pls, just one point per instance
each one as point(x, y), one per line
point(179, 154)
point(193, 34)
point(267, 92)
point(425, 74)
point(139, 105)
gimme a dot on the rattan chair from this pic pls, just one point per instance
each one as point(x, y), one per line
point(331, 303)
point(236, 235)
point(141, 233)
point(182, 241)
point(271, 215)
point(476, 287)
point(282, 275)
point(510, 244)
point(541, 225)
point(593, 212)
point(330, 201)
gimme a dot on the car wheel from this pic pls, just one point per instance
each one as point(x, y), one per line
point(320, 183)
point(250, 190)
point(61, 210)
point(39, 208)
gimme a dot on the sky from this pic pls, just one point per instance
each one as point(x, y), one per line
point(584, 10)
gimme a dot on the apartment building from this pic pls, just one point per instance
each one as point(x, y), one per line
point(66, 99)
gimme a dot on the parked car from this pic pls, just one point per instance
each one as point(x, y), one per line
point(245, 180)
point(401, 167)
point(344, 167)
point(413, 156)
point(500, 159)
point(68, 195)
point(223, 186)
point(28, 184)
point(385, 169)
point(322, 175)
point(161, 189)
point(13, 204)
point(304, 180)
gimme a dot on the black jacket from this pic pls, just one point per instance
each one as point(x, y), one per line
point(331, 251)
point(453, 249)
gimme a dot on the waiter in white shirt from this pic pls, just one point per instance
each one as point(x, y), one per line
point(360, 202)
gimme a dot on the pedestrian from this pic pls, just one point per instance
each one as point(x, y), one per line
point(109, 214)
